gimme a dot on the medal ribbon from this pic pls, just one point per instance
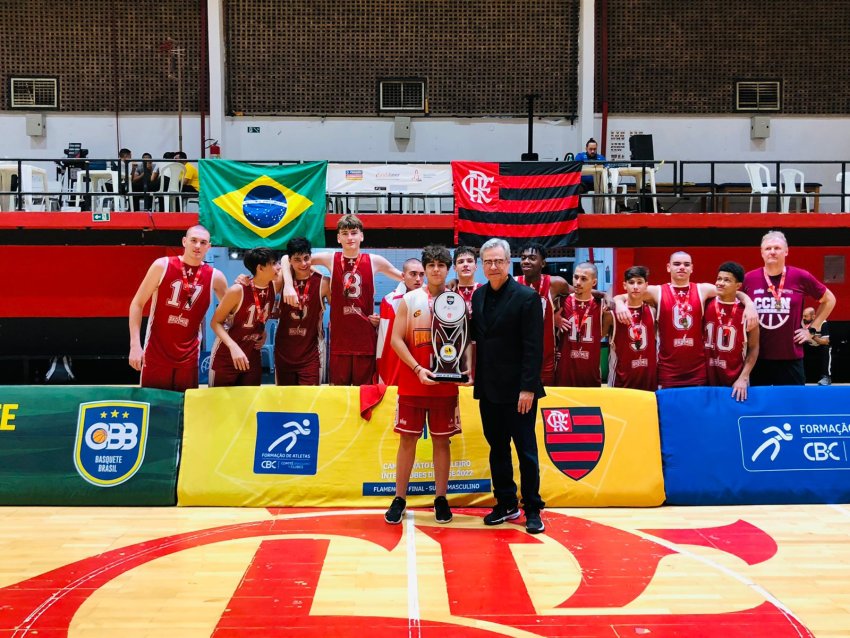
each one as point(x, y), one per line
point(303, 296)
point(777, 294)
point(719, 310)
point(187, 287)
point(634, 323)
point(684, 307)
point(347, 283)
point(584, 317)
point(261, 313)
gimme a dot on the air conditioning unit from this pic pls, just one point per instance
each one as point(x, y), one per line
point(33, 93)
point(401, 95)
point(758, 95)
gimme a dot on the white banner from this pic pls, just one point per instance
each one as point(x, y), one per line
point(429, 179)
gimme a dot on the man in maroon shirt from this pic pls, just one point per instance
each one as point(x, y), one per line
point(779, 292)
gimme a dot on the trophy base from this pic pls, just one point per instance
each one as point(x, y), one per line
point(450, 377)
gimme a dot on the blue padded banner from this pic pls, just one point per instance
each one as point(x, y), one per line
point(781, 445)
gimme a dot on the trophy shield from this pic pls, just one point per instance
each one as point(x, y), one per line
point(449, 336)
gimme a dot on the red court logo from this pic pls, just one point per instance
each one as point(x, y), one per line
point(575, 438)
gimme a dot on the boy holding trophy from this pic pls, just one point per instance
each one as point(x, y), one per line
point(430, 325)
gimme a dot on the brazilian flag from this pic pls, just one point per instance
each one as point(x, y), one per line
point(250, 205)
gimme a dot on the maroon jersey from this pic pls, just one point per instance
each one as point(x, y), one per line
point(681, 349)
point(632, 359)
point(352, 301)
point(299, 330)
point(780, 310)
point(466, 293)
point(725, 341)
point(246, 326)
point(177, 310)
point(544, 290)
point(580, 345)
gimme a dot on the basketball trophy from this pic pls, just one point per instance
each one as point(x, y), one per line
point(448, 337)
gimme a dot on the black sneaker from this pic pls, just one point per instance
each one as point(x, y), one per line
point(396, 511)
point(533, 523)
point(442, 511)
point(500, 514)
point(825, 380)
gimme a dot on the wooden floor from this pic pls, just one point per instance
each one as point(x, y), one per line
point(776, 571)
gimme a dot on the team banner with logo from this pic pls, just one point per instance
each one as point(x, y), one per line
point(249, 205)
point(309, 446)
point(781, 445)
point(88, 445)
point(517, 201)
point(390, 178)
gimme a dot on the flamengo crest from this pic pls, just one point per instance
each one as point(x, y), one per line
point(574, 438)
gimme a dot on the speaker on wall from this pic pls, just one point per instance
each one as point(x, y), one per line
point(640, 147)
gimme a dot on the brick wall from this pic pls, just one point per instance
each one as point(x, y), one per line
point(677, 56)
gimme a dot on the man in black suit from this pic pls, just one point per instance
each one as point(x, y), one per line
point(507, 325)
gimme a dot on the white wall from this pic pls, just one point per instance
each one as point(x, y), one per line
point(308, 138)
point(154, 134)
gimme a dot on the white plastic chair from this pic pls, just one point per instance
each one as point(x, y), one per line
point(844, 200)
point(793, 184)
point(759, 176)
point(171, 173)
point(614, 187)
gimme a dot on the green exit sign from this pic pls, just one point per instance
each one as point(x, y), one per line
point(253, 129)
point(100, 217)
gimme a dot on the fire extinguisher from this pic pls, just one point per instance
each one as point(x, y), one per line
point(215, 150)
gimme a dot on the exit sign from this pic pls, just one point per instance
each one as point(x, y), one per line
point(100, 217)
point(253, 129)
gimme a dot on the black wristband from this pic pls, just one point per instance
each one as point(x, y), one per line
point(814, 332)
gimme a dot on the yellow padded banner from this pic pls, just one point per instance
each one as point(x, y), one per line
point(309, 446)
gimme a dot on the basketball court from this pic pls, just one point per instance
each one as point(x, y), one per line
point(777, 571)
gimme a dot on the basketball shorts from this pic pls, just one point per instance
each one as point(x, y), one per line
point(164, 377)
point(441, 413)
point(351, 369)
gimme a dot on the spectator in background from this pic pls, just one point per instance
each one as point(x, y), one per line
point(191, 182)
point(590, 155)
point(125, 168)
point(145, 180)
point(817, 357)
point(778, 292)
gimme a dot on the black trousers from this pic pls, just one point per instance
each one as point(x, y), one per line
point(784, 372)
point(502, 424)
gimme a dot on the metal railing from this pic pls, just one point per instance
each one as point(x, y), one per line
point(708, 179)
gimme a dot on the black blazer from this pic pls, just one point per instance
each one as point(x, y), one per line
point(509, 345)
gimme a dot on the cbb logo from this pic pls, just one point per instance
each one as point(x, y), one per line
point(112, 436)
point(111, 439)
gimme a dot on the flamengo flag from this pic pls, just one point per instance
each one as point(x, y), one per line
point(517, 201)
point(250, 205)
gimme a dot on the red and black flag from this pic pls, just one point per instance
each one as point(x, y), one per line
point(517, 201)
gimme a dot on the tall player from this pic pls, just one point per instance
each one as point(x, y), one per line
point(549, 288)
point(633, 358)
point(681, 343)
point(730, 349)
point(585, 319)
point(239, 323)
point(299, 342)
point(386, 360)
point(181, 288)
point(353, 320)
point(466, 263)
point(420, 398)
